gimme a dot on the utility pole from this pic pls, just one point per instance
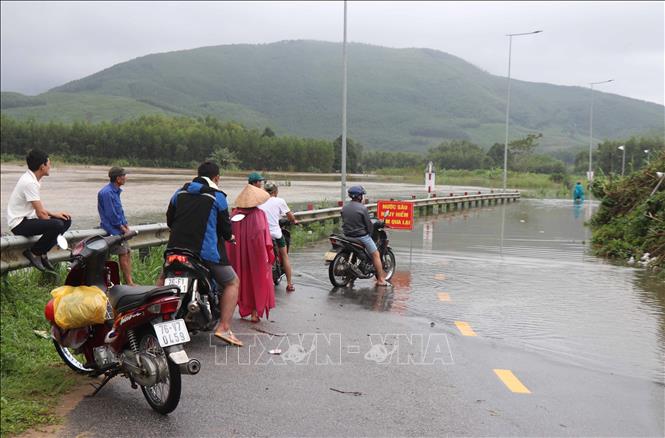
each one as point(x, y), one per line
point(343, 161)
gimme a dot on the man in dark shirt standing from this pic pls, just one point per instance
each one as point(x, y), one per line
point(358, 224)
point(198, 217)
point(113, 220)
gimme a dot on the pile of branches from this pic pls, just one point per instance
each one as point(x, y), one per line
point(630, 222)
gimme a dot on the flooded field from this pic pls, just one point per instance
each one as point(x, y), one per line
point(148, 190)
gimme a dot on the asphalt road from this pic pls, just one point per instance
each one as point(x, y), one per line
point(357, 363)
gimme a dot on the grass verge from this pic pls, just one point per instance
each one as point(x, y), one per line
point(32, 374)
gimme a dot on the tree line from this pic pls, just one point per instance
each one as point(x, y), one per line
point(167, 141)
point(183, 142)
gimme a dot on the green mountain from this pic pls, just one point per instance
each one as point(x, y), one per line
point(398, 99)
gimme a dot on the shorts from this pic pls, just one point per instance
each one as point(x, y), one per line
point(281, 242)
point(370, 246)
point(121, 249)
point(223, 274)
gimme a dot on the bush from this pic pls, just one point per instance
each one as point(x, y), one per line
point(630, 221)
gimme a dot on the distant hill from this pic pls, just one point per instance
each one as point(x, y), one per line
point(398, 99)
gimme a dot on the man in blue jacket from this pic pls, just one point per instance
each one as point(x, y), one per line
point(113, 219)
point(198, 217)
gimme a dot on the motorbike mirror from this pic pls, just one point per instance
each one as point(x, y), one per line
point(238, 217)
point(386, 214)
point(62, 242)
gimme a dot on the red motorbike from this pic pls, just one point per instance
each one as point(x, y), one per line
point(141, 339)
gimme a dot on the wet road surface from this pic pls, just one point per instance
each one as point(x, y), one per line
point(498, 323)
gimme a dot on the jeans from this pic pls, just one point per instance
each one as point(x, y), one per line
point(48, 228)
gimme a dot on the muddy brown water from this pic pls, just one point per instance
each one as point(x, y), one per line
point(147, 192)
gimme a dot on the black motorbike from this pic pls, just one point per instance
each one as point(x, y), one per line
point(199, 301)
point(277, 267)
point(348, 259)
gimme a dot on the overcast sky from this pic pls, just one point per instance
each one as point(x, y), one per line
point(45, 44)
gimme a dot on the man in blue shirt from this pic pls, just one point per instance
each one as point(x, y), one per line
point(113, 219)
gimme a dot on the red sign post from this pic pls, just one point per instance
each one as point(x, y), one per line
point(400, 214)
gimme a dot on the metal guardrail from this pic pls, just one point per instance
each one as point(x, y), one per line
point(11, 247)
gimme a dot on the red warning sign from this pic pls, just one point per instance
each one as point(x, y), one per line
point(400, 214)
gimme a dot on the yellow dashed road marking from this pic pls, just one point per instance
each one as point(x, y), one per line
point(465, 328)
point(439, 277)
point(512, 382)
point(443, 296)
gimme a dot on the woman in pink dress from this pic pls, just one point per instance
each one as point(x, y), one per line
point(252, 255)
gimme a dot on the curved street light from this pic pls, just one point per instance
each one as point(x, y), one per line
point(589, 174)
point(505, 146)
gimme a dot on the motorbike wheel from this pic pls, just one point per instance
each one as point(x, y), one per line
point(276, 273)
point(72, 360)
point(388, 261)
point(339, 275)
point(164, 396)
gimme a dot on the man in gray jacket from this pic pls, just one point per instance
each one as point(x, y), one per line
point(357, 224)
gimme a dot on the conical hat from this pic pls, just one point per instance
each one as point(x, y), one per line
point(251, 196)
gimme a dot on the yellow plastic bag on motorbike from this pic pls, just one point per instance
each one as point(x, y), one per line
point(79, 306)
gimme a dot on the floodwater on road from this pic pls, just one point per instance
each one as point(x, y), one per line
point(147, 192)
point(522, 274)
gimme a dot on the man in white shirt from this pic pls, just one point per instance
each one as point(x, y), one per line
point(275, 208)
point(27, 216)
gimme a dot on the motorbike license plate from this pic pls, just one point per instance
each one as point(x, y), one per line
point(171, 332)
point(181, 282)
point(330, 255)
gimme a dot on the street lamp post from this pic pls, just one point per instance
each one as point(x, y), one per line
point(646, 152)
point(622, 148)
point(343, 158)
point(505, 146)
point(590, 172)
point(661, 176)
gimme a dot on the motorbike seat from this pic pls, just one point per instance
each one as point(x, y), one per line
point(124, 298)
point(349, 239)
point(354, 241)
